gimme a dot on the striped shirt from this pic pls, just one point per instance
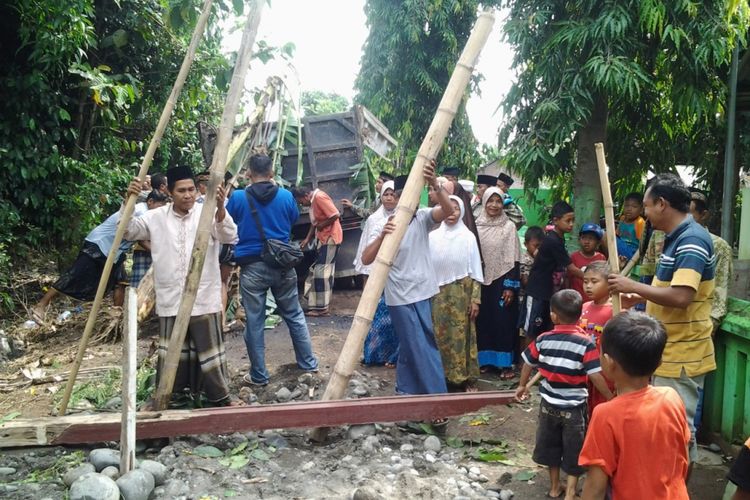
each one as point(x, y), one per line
point(688, 259)
point(565, 357)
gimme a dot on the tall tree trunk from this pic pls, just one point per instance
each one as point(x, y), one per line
point(587, 192)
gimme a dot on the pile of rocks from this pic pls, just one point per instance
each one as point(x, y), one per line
point(100, 479)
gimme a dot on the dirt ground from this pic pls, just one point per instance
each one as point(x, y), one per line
point(512, 427)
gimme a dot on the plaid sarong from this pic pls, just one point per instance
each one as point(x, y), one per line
point(203, 363)
point(319, 283)
point(141, 264)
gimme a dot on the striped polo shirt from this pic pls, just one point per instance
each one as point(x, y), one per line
point(687, 260)
point(565, 357)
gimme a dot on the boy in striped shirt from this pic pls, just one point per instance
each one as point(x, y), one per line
point(566, 357)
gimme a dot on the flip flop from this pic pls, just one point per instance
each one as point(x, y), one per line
point(390, 365)
point(317, 313)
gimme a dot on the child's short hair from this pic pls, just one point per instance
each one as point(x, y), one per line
point(561, 208)
point(600, 267)
point(567, 304)
point(636, 341)
point(533, 233)
point(636, 197)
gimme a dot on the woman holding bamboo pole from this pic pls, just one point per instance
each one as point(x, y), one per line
point(410, 286)
point(381, 344)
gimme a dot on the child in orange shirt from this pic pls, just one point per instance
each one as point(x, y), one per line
point(630, 227)
point(637, 444)
point(594, 315)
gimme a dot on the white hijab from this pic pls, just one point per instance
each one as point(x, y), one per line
point(454, 251)
point(372, 228)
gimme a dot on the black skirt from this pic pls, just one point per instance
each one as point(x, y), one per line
point(82, 279)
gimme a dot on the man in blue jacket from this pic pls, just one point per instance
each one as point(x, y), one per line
point(277, 211)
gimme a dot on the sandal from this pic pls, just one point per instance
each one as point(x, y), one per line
point(316, 313)
point(507, 374)
point(390, 365)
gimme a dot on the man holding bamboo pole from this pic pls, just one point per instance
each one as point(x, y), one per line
point(680, 295)
point(172, 229)
point(410, 286)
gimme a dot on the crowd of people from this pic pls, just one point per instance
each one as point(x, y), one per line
point(620, 395)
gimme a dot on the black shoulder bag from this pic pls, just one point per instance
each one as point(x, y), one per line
point(275, 253)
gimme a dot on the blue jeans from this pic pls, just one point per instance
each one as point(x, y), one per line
point(255, 281)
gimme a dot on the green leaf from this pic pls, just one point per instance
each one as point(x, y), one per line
point(525, 475)
point(239, 6)
point(491, 455)
point(207, 451)
point(9, 417)
point(454, 442)
point(259, 454)
point(239, 448)
point(63, 114)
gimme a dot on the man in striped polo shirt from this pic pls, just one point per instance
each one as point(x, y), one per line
point(681, 294)
point(566, 356)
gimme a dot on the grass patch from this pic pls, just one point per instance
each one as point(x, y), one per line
point(102, 389)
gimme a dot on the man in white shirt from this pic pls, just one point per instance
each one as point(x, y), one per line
point(172, 230)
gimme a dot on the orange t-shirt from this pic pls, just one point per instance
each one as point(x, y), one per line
point(322, 208)
point(640, 440)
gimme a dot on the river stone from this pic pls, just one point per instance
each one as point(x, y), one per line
point(175, 488)
point(159, 471)
point(360, 431)
point(136, 485)
point(111, 472)
point(432, 443)
point(506, 494)
point(283, 395)
point(370, 444)
point(93, 486)
point(72, 474)
point(104, 457)
point(277, 441)
point(7, 471)
point(366, 493)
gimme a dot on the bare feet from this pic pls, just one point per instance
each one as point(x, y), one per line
point(315, 313)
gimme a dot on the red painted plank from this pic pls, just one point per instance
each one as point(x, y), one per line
point(287, 415)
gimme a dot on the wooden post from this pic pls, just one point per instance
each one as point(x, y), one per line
point(407, 205)
point(744, 240)
point(609, 216)
point(129, 365)
point(146, 295)
point(127, 213)
point(218, 165)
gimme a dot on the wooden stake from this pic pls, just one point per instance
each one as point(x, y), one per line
point(146, 295)
point(129, 364)
point(433, 141)
point(127, 213)
point(218, 165)
point(609, 217)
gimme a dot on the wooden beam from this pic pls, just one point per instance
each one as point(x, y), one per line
point(76, 429)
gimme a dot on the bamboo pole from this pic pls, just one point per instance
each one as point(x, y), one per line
point(129, 364)
point(631, 263)
point(218, 165)
point(127, 213)
point(407, 204)
point(609, 217)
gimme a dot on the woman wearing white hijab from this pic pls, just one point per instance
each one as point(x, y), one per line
point(381, 344)
point(497, 322)
point(458, 269)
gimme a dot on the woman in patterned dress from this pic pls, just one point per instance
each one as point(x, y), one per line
point(458, 268)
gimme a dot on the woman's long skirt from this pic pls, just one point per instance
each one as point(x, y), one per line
point(497, 325)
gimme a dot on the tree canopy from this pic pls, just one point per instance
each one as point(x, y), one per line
point(408, 58)
point(84, 82)
point(317, 102)
point(646, 77)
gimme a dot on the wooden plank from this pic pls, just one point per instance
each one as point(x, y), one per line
point(76, 429)
point(129, 363)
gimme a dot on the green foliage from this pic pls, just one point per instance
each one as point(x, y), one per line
point(408, 58)
point(85, 83)
point(317, 102)
point(647, 75)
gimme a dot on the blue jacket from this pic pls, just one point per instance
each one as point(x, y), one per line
point(277, 210)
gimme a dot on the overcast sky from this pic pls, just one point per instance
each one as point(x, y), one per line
point(329, 34)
